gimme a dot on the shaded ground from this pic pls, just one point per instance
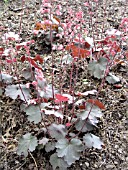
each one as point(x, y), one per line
point(113, 128)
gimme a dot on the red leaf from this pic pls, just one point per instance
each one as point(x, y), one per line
point(77, 51)
point(110, 37)
point(82, 107)
point(118, 61)
point(87, 45)
point(40, 26)
point(118, 86)
point(1, 50)
point(11, 61)
point(38, 58)
point(78, 94)
point(33, 62)
point(68, 124)
point(42, 100)
point(104, 42)
point(69, 47)
point(97, 103)
point(82, 43)
point(117, 48)
point(61, 98)
point(56, 18)
point(18, 47)
point(23, 58)
point(45, 100)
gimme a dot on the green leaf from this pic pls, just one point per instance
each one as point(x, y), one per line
point(43, 141)
point(34, 113)
point(95, 112)
point(53, 112)
point(91, 140)
point(50, 146)
point(44, 105)
point(14, 91)
point(57, 131)
point(57, 162)
point(70, 150)
point(87, 125)
point(67, 59)
point(97, 68)
point(6, 78)
point(27, 74)
point(48, 92)
point(112, 79)
point(27, 142)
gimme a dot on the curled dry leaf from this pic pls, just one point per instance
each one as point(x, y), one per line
point(77, 51)
point(97, 103)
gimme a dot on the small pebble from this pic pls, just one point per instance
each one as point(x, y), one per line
point(110, 166)
point(120, 150)
point(116, 146)
point(116, 163)
point(87, 164)
point(96, 166)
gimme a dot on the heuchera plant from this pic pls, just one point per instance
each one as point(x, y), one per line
point(67, 132)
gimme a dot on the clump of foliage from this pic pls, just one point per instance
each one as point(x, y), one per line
point(67, 131)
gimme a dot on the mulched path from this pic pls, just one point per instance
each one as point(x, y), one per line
point(112, 129)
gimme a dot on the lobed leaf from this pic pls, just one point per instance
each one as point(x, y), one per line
point(90, 112)
point(67, 59)
point(85, 126)
point(91, 140)
point(97, 68)
point(6, 78)
point(43, 141)
point(70, 150)
point(57, 131)
point(27, 142)
point(112, 79)
point(53, 112)
point(48, 92)
point(50, 146)
point(34, 113)
point(14, 91)
point(27, 74)
point(57, 162)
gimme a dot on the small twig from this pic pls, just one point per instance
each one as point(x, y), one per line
point(21, 165)
point(16, 9)
point(20, 26)
point(33, 160)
